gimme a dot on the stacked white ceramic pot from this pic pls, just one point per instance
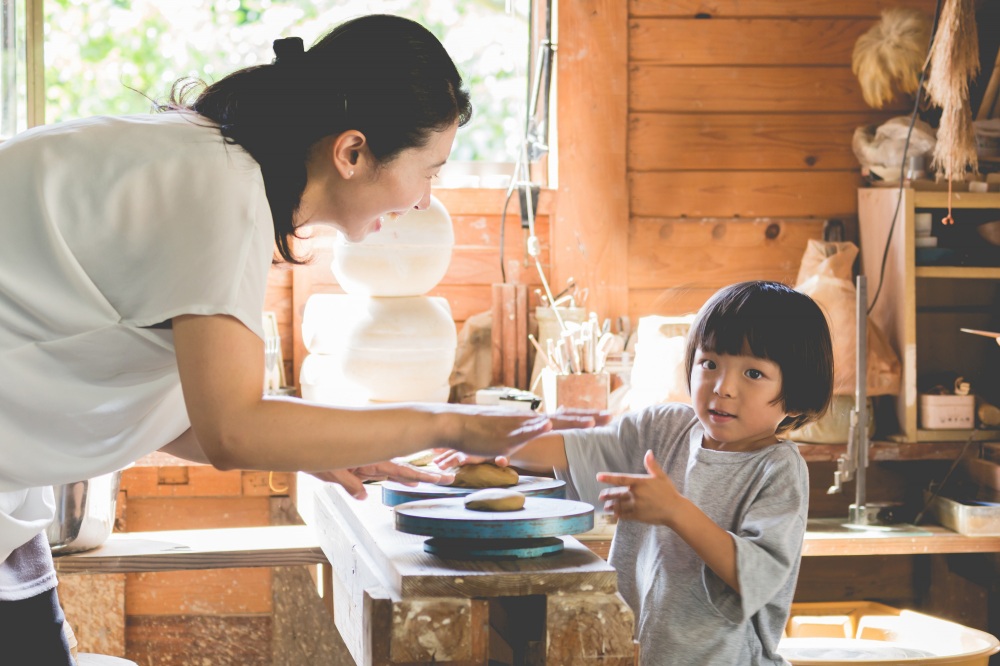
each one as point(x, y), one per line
point(384, 340)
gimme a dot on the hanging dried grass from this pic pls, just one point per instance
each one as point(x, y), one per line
point(955, 150)
point(890, 56)
point(954, 60)
point(955, 55)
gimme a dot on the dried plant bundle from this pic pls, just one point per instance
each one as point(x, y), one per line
point(890, 56)
point(955, 150)
point(955, 54)
point(954, 60)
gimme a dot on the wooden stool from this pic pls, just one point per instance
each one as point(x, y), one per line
point(87, 659)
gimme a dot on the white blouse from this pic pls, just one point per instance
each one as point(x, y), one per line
point(112, 225)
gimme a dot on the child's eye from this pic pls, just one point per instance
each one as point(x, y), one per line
point(754, 374)
point(707, 364)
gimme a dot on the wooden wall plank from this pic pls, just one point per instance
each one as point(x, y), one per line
point(186, 640)
point(744, 194)
point(667, 301)
point(747, 141)
point(180, 481)
point(727, 8)
point(202, 592)
point(666, 253)
point(590, 231)
point(192, 513)
point(727, 88)
point(807, 41)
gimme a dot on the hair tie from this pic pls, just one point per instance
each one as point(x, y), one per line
point(288, 50)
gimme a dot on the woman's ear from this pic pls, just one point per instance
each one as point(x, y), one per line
point(348, 151)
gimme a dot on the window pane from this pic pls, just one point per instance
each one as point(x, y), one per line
point(13, 73)
point(101, 54)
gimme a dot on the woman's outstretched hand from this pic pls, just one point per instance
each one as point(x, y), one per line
point(564, 419)
point(487, 432)
point(353, 479)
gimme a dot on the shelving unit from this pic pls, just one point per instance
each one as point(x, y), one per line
point(921, 308)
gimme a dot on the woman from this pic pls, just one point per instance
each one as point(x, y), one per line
point(133, 272)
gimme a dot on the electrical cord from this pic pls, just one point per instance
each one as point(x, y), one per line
point(940, 486)
point(503, 234)
point(906, 149)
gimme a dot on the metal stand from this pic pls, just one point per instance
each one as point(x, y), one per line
point(854, 463)
point(870, 517)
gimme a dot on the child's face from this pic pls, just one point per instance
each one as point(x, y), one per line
point(734, 397)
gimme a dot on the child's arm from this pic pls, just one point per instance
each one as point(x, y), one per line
point(654, 499)
point(542, 453)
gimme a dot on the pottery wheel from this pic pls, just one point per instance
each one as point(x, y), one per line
point(460, 533)
point(394, 493)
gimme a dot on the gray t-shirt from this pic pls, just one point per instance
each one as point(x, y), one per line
point(685, 614)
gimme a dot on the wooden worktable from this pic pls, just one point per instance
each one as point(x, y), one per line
point(396, 604)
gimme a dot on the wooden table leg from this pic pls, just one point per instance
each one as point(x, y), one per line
point(440, 630)
point(589, 629)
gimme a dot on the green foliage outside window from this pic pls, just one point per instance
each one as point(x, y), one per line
point(114, 56)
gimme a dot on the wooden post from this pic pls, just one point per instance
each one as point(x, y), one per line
point(590, 233)
point(510, 335)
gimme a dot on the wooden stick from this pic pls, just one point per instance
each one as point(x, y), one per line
point(989, 101)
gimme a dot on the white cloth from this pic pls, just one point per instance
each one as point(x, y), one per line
point(112, 225)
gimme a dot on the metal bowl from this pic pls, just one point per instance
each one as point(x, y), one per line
point(85, 514)
point(990, 232)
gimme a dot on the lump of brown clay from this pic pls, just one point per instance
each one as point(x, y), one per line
point(484, 475)
point(495, 499)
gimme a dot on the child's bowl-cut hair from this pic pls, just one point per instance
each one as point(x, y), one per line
point(771, 321)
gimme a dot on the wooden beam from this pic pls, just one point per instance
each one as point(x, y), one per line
point(590, 230)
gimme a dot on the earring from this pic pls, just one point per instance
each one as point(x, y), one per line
point(350, 173)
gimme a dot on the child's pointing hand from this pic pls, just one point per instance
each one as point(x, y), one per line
point(648, 498)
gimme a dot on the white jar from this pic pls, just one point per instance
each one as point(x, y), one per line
point(408, 257)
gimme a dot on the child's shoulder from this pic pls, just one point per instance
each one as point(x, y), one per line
point(668, 416)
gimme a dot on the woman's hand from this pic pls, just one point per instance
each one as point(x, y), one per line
point(563, 419)
point(452, 458)
point(647, 498)
point(488, 432)
point(353, 479)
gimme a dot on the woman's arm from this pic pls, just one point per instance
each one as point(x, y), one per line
point(221, 365)
point(186, 447)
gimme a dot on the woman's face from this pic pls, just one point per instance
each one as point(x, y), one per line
point(356, 197)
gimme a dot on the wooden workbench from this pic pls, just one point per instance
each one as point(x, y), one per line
point(394, 604)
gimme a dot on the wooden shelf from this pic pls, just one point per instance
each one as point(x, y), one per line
point(938, 540)
point(959, 272)
point(958, 199)
point(235, 547)
point(881, 451)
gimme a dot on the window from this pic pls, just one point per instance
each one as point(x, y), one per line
point(101, 54)
point(13, 68)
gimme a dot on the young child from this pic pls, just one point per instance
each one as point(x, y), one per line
point(712, 502)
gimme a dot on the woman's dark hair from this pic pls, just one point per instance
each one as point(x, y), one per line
point(385, 76)
point(779, 324)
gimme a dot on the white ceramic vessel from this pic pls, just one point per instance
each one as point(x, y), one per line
point(365, 350)
point(408, 257)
